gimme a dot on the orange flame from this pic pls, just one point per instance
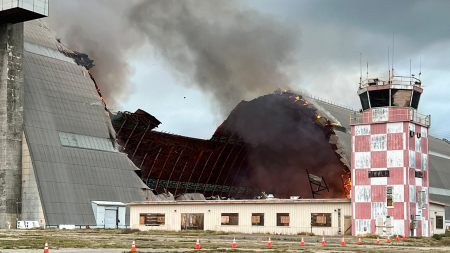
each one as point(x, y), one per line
point(346, 180)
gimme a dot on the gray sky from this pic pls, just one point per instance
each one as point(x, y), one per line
point(151, 55)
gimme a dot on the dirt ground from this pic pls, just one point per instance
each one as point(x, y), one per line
point(118, 241)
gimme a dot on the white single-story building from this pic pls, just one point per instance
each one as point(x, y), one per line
point(282, 216)
point(275, 216)
point(437, 217)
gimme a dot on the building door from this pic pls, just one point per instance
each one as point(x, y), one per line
point(347, 225)
point(110, 218)
point(432, 226)
point(192, 221)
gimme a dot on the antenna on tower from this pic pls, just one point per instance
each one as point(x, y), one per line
point(420, 66)
point(393, 49)
point(389, 68)
point(360, 67)
point(410, 76)
point(367, 69)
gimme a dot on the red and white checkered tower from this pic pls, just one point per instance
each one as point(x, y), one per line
point(390, 159)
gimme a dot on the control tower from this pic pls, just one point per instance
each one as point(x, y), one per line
point(390, 159)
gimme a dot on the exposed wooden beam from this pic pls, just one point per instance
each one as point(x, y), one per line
point(164, 165)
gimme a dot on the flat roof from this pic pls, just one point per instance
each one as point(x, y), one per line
point(250, 201)
point(438, 203)
point(108, 203)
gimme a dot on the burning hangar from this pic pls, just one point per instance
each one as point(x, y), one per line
point(244, 156)
point(63, 152)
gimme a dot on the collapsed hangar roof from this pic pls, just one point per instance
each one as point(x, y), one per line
point(439, 152)
point(220, 166)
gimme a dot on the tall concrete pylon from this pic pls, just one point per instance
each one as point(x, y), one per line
point(11, 120)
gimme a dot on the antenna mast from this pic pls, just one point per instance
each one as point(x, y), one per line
point(410, 76)
point(389, 67)
point(367, 69)
point(420, 68)
point(360, 67)
point(393, 49)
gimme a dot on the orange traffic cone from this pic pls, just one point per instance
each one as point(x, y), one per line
point(234, 242)
point(378, 240)
point(302, 242)
point(389, 239)
point(46, 247)
point(343, 241)
point(359, 242)
point(397, 239)
point(133, 246)
point(404, 238)
point(323, 240)
point(197, 245)
point(269, 243)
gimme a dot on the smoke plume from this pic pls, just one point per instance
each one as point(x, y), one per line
point(228, 51)
point(97, 28)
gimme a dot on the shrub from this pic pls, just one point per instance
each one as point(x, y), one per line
point(437, 236)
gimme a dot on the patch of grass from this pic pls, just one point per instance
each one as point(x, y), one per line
point(373, 236)
point(444, 243)
point(306, 233)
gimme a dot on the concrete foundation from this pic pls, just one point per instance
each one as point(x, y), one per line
point(11, 119)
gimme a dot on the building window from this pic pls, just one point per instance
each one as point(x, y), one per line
point(192, 221)
point(152, 219)
point(439, 222)
point(282, 219)
point(257, 219)
point(389, 199)
point(421, 199)
point(230, 219)
point(321, 219)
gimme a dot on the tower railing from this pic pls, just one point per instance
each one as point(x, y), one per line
point(392, 80)
point(399, 114)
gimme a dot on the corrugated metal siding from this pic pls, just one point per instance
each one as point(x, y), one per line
point(363, 211)
point(362, 143)
point(399, 114)
point(300, 216)
point(378, 129)
point(361, 176)
point(378, 159)
point(395, 141)
point(399, 211)
point(395, 176)
point(378, 193)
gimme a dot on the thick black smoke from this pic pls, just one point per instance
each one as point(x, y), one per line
point(228, 51)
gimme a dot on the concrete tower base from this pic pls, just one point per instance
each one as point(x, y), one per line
point(11, 119)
